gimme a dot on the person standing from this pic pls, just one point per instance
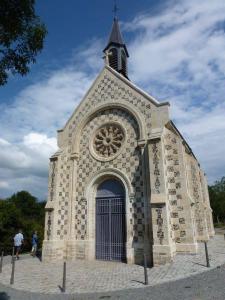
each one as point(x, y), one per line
point(34, 243)
point(18, 241)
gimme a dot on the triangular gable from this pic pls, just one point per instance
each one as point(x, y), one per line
point(124, 80)
point(136, 88)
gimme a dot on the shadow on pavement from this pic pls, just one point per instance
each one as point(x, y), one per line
point(39, 255)
point(195, 263)
point(4, 296)
point(61, 289)
point(138, 281)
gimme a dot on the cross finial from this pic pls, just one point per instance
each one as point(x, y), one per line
point(115, 9)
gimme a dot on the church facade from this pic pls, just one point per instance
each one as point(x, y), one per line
point(124, 182)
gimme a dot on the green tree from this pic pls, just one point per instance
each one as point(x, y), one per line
point(26, 203)
point(21, 37)
point(10, 220)
point(21, 210)
point(217, 200)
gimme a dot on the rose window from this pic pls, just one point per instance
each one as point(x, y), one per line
point(108, 140)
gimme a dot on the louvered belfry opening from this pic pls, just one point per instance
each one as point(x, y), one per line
point(123, 64)
point(111, 221)
point(113, 59)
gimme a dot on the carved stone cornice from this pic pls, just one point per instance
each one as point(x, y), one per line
point(50, 209)
point(141, 143)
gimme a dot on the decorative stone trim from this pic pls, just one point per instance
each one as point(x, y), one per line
point(159, 223)
point(52, 179)
point(132, 198)
point(160, 233)
point(114, 105)
point(156, 160)
point(49, 223)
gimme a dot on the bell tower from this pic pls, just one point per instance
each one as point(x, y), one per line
point(116, 50)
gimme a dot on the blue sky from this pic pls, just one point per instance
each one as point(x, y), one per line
point(176, 54)
point(71, 26)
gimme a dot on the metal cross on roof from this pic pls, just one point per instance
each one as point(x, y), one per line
point(115, 9)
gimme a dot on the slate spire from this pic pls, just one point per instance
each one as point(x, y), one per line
point(116, 36)
point(116, 50)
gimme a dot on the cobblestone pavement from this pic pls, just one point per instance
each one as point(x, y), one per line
point(204, 286)
point(91, 277)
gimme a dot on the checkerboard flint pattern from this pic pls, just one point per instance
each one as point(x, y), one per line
point(159, 224)
point(197, 196)
point(128, 161)
point(205, 195)
point(64, 165)
point(110, 89)
point(53, 170)
point(176, 201)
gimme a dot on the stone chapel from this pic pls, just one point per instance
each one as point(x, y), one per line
point(124, 181)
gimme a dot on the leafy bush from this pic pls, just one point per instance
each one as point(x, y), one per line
point(21, 211)
point(217, 200)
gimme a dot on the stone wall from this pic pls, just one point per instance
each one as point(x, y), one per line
point(129, 162)
point(182, 224)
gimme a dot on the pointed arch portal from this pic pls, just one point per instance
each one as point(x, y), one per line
point(111, 221)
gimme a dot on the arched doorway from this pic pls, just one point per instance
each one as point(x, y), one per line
point(111, 221)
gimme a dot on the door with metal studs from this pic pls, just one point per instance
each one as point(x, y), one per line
point(111, 221)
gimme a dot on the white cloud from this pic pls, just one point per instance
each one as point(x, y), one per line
point(40, 143)
point(12, 157)
point(178, 55)
point(46, 105)
point(26, 162)
point(4, 142)
point(187, 38)
point(4, 185)
point(29, 124)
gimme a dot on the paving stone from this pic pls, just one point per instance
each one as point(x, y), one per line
point(32, 275)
